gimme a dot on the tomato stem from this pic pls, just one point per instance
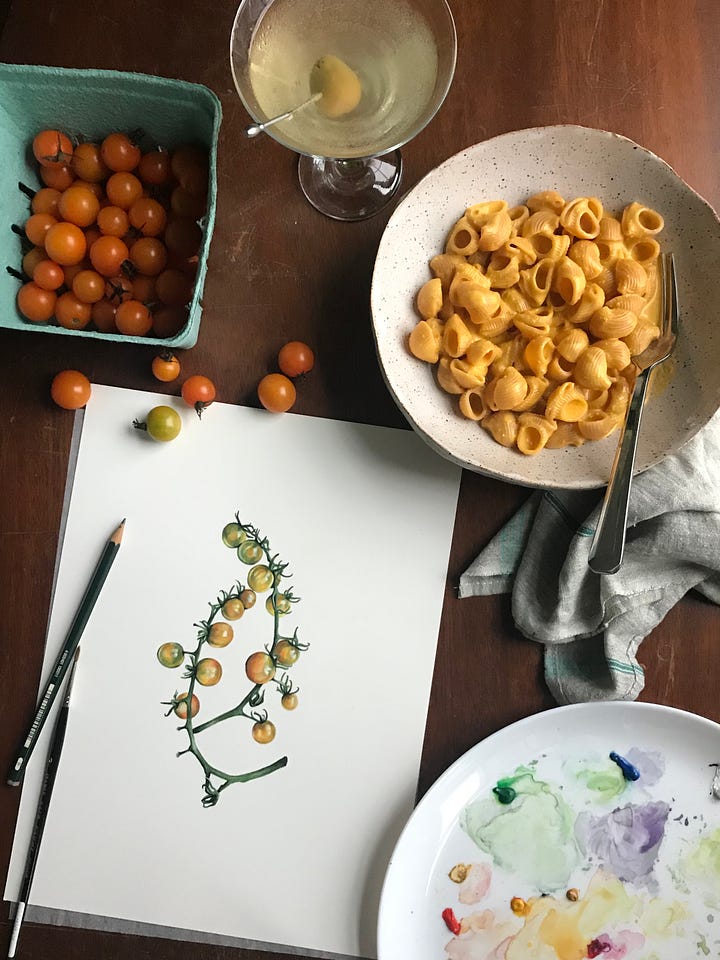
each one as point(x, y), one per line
point(28, 191)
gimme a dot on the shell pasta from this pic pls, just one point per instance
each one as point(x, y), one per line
point(534, 313)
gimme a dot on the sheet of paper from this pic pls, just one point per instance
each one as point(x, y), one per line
point(363, 516)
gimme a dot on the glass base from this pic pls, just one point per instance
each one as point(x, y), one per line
point(350, 189)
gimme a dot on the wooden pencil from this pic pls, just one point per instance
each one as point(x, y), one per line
point(63, 661)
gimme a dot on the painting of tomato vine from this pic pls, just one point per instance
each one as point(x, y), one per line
point(268, 671)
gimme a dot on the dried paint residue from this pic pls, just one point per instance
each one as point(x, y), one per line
point(533, 836)
point(626, 841)
point(701, 868)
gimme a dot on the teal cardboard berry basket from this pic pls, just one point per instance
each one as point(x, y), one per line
point(91, 104)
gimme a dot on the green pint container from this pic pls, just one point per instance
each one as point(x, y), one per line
point(90, 104)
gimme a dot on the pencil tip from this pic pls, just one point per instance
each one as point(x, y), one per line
point(117, 536)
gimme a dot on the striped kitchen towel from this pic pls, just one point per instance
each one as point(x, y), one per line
point(592, 624)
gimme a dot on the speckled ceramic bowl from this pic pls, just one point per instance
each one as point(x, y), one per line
point(575, 161)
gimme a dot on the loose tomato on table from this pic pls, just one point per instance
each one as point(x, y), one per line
point(166, 367)
point(198, 392)
point(296, 358)
point(276, 393)
point(70, 389)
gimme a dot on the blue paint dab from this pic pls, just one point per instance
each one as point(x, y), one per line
point(628, 770)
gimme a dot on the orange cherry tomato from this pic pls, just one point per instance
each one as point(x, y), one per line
point(46, 201)
point(174, 288)
point(73, 269)
point(198, 392)
point(154, 167)
point(296, 358)
point(36, 304)
point(103, 316)
point(59, 178)
point(123, 189)
point(37, 226)
point(169, 321)
point(70, 389)
point(148, 216)
point(87, 163)
point(259, 667)
point(48, 275)
point(144, 288)
point(263, 731)
point(133, 318)
point(88, 286)
point(65, 243)
point(181, 705)
point(113, 221)
point(32, 258)
point(166, 367)
point(79, 205)
point(119, 289)
point(186, 204)
point(189, 165)
point(183, 236)
point(149, 256)
point(71, 312)
point(108, 254)
point(276, 393)
point(52, 148)
point(119, 153)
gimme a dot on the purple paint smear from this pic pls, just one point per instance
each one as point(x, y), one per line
point(650, 764)
point(626, 841)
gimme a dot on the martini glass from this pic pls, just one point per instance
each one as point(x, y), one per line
point(360, 77)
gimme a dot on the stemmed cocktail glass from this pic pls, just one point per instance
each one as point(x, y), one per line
point(357, 79)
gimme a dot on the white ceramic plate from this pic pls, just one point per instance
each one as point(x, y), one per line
point(575, 823)
point(576, 161)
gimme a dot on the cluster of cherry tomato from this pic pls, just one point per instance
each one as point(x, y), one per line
point(115, 235)
point(276, 391)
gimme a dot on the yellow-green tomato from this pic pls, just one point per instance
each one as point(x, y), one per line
point(233, 535)
point(263, 731)
point(286, 653)
point(220, 634)
point(171, 654)
point(233, 608)
point(259, 667)
point(260, 578)
point(281, 604)
point(250, 551)
point(181, 709)
point(162, 424)
point(289, 701)
point(208, 672)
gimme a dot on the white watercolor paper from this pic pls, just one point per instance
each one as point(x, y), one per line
point(364, 517)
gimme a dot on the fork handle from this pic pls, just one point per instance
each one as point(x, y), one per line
point(607, 548)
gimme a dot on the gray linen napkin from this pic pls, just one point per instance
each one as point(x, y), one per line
point(591, 624)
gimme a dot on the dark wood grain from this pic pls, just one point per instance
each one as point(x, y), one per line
point(278, 271)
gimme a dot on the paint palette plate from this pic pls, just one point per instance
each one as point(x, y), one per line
point(543, 848)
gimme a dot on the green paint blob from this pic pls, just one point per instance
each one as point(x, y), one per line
point(701, 868)
point(533, 837)
point(603, 777)
point(504, 792)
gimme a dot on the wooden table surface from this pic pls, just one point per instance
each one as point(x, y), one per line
point(278, 271)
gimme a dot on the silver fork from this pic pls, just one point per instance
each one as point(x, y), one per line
point(607, 548)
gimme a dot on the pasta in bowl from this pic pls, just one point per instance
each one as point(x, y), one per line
point(527, 300)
